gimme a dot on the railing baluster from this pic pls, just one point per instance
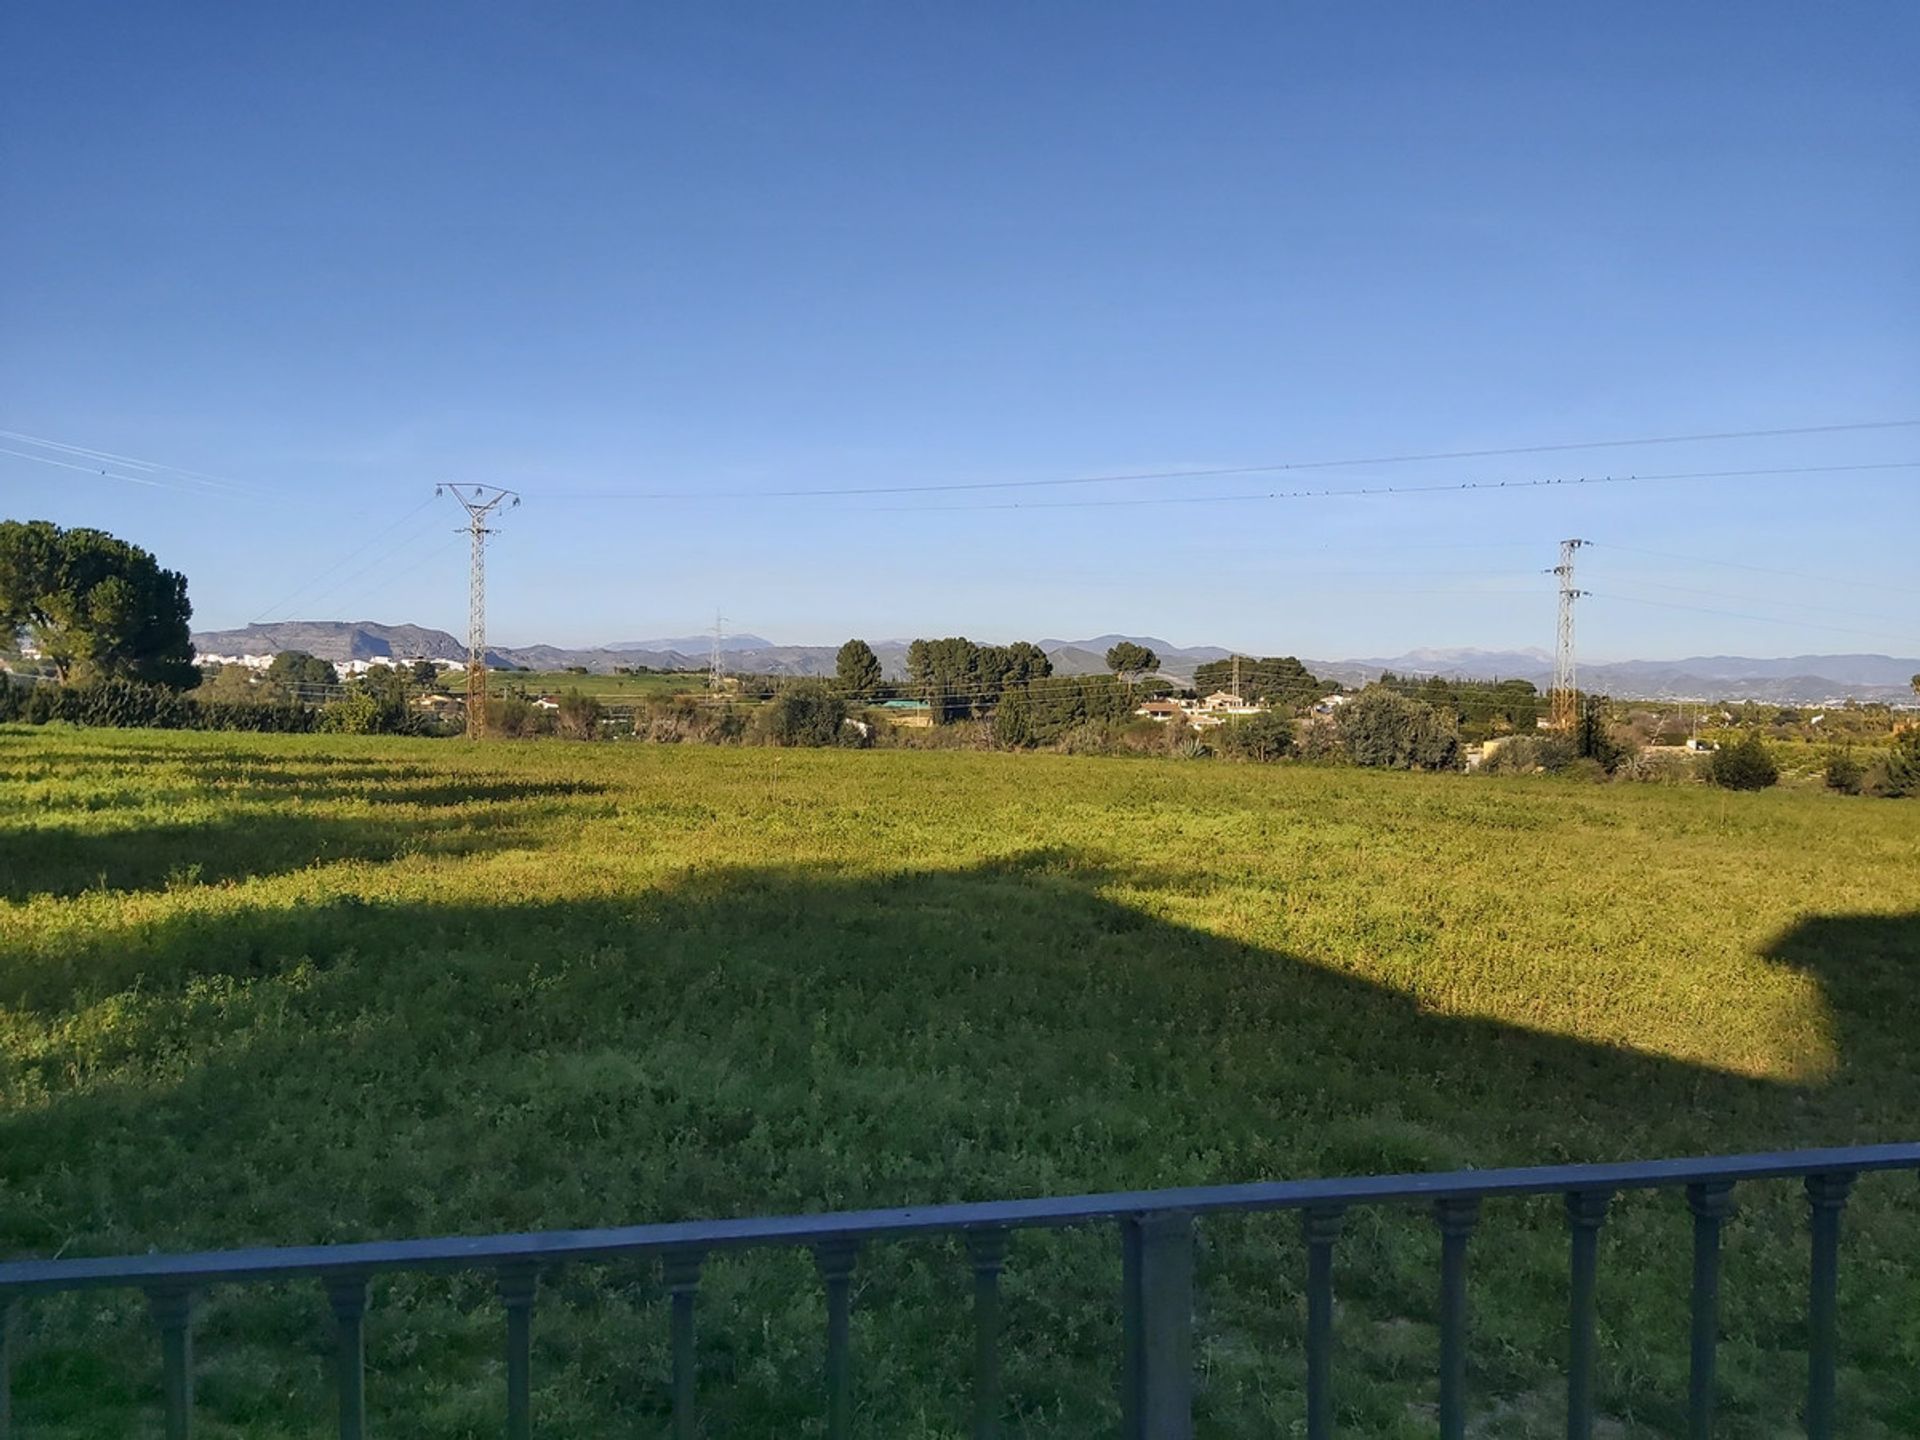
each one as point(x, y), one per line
point(172, 1308)
point(682, 1272)
point(6, 1367)
point(1456, 1218)
point(347, 1294)
point(987, 1250)
point(1321, 1226)
point(517, 1285)
point(1826, 1197)
point(1157, 1273)
point(1711, 1203)
point(835, 1259)
point(1586, 1212)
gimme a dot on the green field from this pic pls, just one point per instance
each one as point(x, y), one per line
point(611, 688)
point(284, 989)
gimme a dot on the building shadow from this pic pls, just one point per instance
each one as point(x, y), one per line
point(785, 1039)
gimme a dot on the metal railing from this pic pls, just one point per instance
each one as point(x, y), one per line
point(1157, 1249)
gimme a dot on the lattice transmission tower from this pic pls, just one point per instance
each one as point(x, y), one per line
point(716, 677)
point(479, 502)
point(1564, 698)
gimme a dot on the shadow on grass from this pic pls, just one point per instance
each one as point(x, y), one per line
point(53, 860)
point(776, 1040)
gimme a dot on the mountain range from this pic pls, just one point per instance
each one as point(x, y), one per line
point(1799, 679)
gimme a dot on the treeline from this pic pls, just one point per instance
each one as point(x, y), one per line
point(1480, 708)
point(1272, 680)
point(130, 704)
point(380, 703)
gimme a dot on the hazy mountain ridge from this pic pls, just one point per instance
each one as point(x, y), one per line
point(1801, 679)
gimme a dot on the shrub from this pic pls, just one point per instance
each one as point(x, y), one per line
point(1528, 754)
point(1380, 727)
point(805, 714)
point(1265, 736)
point(130, 704)
point(1657, 768)
point(1090, 737)
point(1320, 742)
point(1844, 773)
point(1013, 719)
point(579, 716)
point(515, 717)
point(1746, 764)
point(1899, 773)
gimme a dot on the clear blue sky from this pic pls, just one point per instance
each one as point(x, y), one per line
point(336, 253)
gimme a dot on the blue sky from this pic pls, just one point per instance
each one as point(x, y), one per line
point(334, 254)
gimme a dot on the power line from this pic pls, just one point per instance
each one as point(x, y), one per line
point(413, 537)
point(1635, 579)
point(113, 457)
point(94, 470)
point(1758, 569)
point(1544, 483)
point(1764, 619)
point(352, 554)
point(1216, 471)
point(1491, 486)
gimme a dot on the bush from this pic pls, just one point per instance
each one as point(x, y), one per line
point(1320, 742)
point(806, 714)
point(516, 717)
point(1380, 727)
point(129, 704)
point(1898, 775)
point(1089, 737)
point(1529, 754)
point(1013, 719)
point(1844, 773)
point(579, 716)
point(1658, 768)
point(1266, 736)
point(1746, 764)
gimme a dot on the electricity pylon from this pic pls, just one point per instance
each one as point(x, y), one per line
point(1564, 698)
point(479, 504)
point(716, 679)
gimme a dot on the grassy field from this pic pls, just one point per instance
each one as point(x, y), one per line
point(613, 688)
point(284, 989)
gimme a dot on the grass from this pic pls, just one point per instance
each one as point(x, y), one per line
point(607, 687)
point(287, 989)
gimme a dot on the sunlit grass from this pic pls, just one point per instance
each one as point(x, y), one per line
point(276, 989)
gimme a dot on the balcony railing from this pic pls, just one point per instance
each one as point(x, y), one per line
point(1156, 1231)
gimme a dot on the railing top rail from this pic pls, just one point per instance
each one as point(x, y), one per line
point(478, 1251)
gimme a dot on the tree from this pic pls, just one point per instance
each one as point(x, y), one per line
point(425, 673)
point(1592, 738)
point(1013, 719)
point(1384, 728)
point(1265, 736)
point(1130, 661)
point(1279, 680)
point(1900, 771)
point(295, 670)
point(947, 674)
point(1746, 764)
point(806, 714)
point(857, 669)
point(97, 607)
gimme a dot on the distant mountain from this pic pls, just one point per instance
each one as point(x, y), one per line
point(694, 644)
point(334, 640)
point(1089, 657)
point(1795, 679)
point(1804, 679)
